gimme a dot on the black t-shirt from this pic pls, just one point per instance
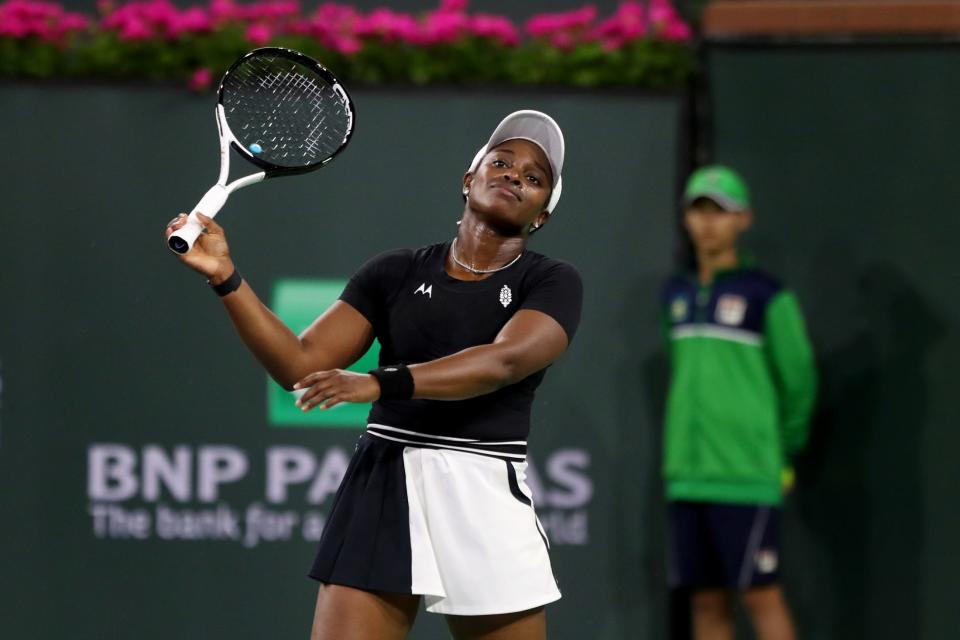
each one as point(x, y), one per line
point(420, 313)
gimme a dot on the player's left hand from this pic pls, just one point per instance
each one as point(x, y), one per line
point(327, 389)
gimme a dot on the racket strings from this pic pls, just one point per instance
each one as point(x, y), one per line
point(285, 111)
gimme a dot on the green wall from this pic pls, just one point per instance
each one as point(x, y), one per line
point(852, 155)
point(113, 354)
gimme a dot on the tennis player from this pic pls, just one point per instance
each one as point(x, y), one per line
point(434, 505)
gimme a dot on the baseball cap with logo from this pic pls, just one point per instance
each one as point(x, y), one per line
point(720, 184)
point(538, 128)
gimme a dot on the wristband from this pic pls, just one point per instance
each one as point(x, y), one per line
point(396, 382)
point(229, 285)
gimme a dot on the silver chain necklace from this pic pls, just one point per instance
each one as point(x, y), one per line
point(453, 254)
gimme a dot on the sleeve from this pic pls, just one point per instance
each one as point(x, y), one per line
point(794, 370)
point(372, 286)
point(558, 292)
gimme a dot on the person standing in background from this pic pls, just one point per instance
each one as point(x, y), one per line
point(741, 393)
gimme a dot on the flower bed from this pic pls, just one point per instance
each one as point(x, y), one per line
point(642, 44)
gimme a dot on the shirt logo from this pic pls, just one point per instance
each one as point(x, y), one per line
point(425, 290)
point(731, 309)
point(506, 296)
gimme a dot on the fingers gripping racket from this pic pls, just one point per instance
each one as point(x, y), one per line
point(282, 111)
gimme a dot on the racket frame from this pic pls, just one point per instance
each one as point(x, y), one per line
point(182, 240)
point(272, 170)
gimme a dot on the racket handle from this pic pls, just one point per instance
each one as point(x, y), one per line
point(181, 240)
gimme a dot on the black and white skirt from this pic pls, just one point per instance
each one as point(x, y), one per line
point(451, 519)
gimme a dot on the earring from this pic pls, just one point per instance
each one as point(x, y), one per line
point(466, 191)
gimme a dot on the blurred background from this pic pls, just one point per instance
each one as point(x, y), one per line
point(154, 485)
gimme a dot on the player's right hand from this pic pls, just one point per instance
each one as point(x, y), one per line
point(210, 254)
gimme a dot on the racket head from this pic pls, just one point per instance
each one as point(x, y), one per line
point(285, 112)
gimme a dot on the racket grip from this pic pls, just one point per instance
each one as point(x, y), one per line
point(181, 240)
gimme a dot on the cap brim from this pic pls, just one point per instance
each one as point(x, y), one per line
point(722, 201)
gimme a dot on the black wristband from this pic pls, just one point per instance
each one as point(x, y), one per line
point(229, 285)
point(396, 382)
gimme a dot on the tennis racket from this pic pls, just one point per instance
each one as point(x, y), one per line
point(281, 110)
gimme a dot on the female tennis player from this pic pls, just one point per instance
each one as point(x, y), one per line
point(434, 504)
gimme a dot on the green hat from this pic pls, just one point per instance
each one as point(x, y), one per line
point(720, 184)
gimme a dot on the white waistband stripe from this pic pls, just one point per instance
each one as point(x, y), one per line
point(434, 437)
point(742, 336)
point(436, 445)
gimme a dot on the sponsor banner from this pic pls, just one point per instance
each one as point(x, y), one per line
point(178, 492)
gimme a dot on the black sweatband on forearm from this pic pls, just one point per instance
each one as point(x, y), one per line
point(229, 285)
point(396, 382)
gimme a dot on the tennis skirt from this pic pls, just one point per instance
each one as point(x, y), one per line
point(450, 519)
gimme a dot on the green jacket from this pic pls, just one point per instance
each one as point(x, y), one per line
point(742, 387)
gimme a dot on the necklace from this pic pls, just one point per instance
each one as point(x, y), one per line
point(453, 254)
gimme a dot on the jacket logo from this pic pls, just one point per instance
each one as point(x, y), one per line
point(678, 309)
point(425, 290)
point(506, 296)
point(731, 309)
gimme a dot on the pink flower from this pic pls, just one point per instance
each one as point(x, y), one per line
point(267, 11)
point(196, 20)
point(542, 24)
point(388, 26)
point(334, 26)
point(496, 28)
point(337, 14)
point(453, 6)
point(45, 20)
point(134, 29)
point(627, 23)
point(444, 28)
point(677, 31)
point(74, 22)
point(661, 11)
point(259, 34)
point(667, 23)
point(564, 29)
point(221, 10)
point(156, 18)
point(201, 79)
point(546, 23)
point(346, 45)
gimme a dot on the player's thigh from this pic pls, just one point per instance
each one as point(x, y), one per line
point(522, 625)
point(344, 613)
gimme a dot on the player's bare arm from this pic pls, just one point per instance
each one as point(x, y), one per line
point(335, 340)
point(529, 342)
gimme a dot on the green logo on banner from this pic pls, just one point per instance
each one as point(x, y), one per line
point(298, 303)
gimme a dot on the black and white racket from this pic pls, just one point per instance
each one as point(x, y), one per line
point(282, 111)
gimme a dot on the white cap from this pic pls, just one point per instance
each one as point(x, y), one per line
point(538, 128)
